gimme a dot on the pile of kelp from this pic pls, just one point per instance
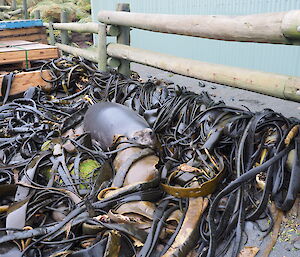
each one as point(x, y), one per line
point(218, 167)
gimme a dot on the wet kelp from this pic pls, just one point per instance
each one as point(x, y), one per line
point(217, 167)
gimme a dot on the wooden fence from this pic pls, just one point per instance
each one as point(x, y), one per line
point(13, 9)
point(273, 28)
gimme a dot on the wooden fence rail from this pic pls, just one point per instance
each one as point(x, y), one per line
point(97, 55)
point(100, 54)
point(12, 9)
point(5, 7)
point(277, 28)
point(89, 27)
point(272, 84)
point(87, 54)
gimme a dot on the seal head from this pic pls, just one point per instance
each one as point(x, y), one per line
point(106, 120)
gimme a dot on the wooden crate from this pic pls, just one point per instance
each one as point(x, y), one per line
point(24, 80)
point(20, 51)
point(34, 34)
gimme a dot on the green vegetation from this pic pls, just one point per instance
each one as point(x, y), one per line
point(79, 10)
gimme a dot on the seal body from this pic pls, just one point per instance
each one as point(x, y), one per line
point(106, 120)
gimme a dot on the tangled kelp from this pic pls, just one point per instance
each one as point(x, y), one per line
point(218, 167)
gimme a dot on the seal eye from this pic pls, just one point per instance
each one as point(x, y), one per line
point(135, 138)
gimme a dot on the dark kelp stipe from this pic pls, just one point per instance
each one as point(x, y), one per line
point(217, 167)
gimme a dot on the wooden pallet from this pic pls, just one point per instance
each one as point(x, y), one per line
point(24, 80)
point(33, 34)
point(23, 52)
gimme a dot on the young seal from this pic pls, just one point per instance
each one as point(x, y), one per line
point(107, 120)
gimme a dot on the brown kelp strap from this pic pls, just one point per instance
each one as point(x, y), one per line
point(275, 234)
point(204, 189)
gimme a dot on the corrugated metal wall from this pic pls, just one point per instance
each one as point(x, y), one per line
point(265, 57)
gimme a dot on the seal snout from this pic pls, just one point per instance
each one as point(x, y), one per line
point(145, 137)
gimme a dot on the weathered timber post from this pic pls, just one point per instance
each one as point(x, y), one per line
point(102, 51)
point(37, 14)
point(51, 34)
point(14, 4)
point(64, 33)
point(114, 31)
point(124, 38)
point(25, 10)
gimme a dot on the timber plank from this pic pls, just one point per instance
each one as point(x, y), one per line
point(25, 45)
point(21, 32)
point(17, 56)
point(20, 51)
point(24, 80)
point(10, 43)
point(33, 37)
point(33, 34)
point(44, 53)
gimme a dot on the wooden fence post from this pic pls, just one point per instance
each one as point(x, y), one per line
point(124, 38)
point(102, 51)
point(37, 14)
point(64, 33)
point(14, 4)
point(25, 10)
point(51, 34)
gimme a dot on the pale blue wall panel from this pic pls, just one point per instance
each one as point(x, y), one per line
point(265, 57)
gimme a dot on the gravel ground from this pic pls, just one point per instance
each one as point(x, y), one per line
point(288, 243)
